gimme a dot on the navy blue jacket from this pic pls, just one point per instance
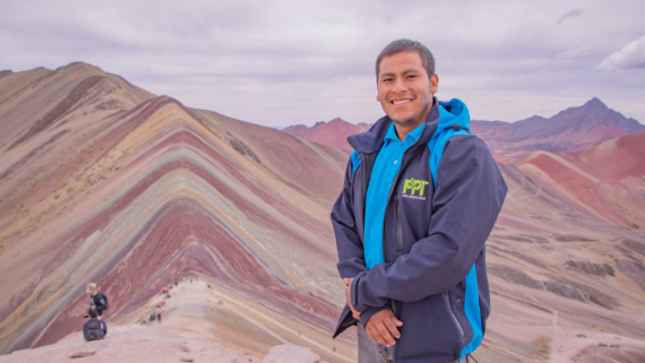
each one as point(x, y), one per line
point(434, 275)
point(99, 300)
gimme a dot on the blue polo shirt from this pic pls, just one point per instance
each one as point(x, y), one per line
point(385, 168)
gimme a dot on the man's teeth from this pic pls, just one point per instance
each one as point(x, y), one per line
point(400, 102)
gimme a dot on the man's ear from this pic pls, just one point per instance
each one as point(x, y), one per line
point(434, 83)
point(378, 99)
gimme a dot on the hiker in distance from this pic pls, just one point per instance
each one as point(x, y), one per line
point(97, 299)
point(420, 198)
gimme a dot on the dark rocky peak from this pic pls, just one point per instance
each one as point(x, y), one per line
point(595, 104)
point(593, 107)
point(597, 112)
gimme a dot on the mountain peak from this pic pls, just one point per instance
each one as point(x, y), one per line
point(334, 132)
point(337, 120)
point(572, 129)
point(595, 104)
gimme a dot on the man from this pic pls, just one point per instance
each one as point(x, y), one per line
point(411, 221)
point(97, 299)
point(94, 328)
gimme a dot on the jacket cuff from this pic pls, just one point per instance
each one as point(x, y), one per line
point(367, 314)
point(356, 303)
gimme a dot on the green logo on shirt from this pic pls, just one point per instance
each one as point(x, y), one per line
point(414, 185)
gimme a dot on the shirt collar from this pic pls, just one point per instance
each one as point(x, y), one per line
point(410, 138)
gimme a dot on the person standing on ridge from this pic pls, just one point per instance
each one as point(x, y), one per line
point(420, 197)
point(98, 299)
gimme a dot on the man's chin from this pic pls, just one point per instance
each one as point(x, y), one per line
point(404, 122)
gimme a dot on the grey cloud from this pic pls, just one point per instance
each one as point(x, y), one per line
point(576, 53)
point(630, 57)
point(570, 15)
point(315, 60)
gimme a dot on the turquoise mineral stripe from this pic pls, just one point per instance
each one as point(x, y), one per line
point(473, 313)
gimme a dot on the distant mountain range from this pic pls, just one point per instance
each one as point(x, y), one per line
point(332, 133)
point(575, 128)
point(591, 156)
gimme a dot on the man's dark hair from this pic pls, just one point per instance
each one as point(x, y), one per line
point(407, 45)
point(93, 313)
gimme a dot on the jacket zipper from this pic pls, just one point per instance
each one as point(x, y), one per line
point(454, 317)
point(399, 230)
point(364, 184)
point(389, 195)
point(411, 149)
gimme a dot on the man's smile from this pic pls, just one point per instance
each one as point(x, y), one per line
point(401, 102)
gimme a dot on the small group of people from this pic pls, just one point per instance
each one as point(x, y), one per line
point(165, 290)
point(153, 315)
point(95, 328)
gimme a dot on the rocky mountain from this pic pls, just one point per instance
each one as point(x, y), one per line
point(575, 128)
point(606, 181)
point(561, 232)
point(102, 181)
point(333, 133)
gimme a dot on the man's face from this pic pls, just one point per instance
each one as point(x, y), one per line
point(404, 88)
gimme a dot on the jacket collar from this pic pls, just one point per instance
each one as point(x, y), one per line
point(372, 140)
point(410, 138)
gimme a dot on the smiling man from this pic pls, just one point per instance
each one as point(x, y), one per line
point(420, 198)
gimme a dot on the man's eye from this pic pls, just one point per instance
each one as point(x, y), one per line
point(412, 76)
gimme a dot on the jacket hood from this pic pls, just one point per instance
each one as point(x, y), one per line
point(453, 112)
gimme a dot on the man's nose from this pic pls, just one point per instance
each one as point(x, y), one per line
point(399, 85)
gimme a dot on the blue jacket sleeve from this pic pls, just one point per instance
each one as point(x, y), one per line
point(351, 258)
point(469, 196)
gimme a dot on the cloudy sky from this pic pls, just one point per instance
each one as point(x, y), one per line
point(279, 63)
